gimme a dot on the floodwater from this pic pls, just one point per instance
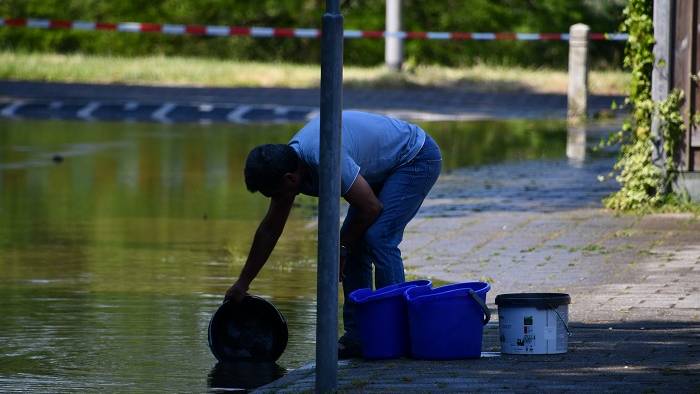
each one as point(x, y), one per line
point(118, 241)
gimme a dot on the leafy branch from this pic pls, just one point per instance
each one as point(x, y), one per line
point(644, 184)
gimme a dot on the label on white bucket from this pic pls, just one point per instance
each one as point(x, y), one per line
point(528, 330)
point(550, 333)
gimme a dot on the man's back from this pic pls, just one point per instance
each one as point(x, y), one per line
point(372, 145)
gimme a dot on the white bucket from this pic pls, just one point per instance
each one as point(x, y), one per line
point(533, 323)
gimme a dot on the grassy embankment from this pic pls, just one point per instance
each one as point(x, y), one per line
point(158, 70)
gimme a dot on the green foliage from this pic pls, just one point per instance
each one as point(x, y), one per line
point(673, 131)
point(644, 184)
point(446, 15)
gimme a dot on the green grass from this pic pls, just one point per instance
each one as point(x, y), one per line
point(159, 70)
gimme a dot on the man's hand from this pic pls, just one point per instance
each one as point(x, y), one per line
point(236, 293)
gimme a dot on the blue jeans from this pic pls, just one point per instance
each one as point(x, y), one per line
point(402, 193)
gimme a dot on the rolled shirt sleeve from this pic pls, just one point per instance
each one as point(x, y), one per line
point(349, 170)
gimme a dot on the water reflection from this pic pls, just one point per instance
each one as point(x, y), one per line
point(242, 376)
point(114, 259)
point(576, 145)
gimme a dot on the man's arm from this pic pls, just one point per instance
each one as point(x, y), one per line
point(264, 242)
point(368, 206)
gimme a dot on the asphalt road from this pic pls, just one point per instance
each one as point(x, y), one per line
point(40, 100)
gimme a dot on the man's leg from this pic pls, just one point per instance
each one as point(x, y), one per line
point(402, 195)
point(358, 275)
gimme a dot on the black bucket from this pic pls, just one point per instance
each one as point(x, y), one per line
point(251, 330)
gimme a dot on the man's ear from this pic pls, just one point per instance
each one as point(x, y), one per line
point(292, 178)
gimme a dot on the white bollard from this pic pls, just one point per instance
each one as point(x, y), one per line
point(576, 144)
point(578, 73)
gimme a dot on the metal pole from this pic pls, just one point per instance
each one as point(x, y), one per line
point(329, 199)
point(393, 45)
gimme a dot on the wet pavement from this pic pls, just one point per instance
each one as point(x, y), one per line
point(40, 100)
point(538, 226)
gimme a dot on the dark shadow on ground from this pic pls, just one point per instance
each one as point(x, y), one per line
point(644, 356)
point(641, 356)
point(637, 356)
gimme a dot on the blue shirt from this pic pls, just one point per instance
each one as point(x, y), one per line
point(372, 145)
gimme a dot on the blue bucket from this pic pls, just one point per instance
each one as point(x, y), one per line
point(382, 319)
point(447, 322)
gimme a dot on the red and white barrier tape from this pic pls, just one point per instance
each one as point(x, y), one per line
point(222, 31)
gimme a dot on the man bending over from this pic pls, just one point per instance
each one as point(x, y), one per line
point(387, 168)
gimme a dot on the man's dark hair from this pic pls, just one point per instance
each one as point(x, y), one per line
point(266, 165)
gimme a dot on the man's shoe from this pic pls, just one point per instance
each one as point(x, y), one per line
point(348, 349)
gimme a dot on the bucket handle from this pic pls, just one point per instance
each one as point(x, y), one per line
point(484, 308)
point(566, 326)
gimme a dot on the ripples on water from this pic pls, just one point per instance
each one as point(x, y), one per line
point(113, 258)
